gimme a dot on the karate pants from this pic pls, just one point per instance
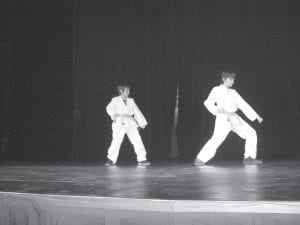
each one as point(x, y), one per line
point(223, 125)
point(118, 132)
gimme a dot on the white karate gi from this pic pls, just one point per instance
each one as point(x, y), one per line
point(129, 126)
point(229, 100)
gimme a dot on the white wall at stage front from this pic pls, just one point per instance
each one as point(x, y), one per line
point(32, 209)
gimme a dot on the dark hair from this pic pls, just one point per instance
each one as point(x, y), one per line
point(227, 74)
point(122, 87)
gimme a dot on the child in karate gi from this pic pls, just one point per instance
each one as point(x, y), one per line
point(223, 102)
point(126, 119)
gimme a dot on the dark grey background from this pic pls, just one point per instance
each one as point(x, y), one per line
point(64, 59)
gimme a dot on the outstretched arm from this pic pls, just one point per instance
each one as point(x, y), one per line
point(246, 108)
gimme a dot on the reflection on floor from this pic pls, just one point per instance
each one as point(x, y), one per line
point(222, 181)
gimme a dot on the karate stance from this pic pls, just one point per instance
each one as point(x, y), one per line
point(223, 102)
point(126, 118)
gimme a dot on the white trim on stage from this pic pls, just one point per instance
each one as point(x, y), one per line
point(24, 208)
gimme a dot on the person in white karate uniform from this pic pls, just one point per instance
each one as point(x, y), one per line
point(126, 119)
point(223, 102)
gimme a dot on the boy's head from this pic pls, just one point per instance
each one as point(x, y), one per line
point(227, 78)
point(124, 90)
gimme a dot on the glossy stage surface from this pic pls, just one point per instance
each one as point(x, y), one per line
point(220, 181)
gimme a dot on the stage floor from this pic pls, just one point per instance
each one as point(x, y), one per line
point(221, 181)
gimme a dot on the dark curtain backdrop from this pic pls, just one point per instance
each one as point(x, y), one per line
point(123, 42)
point(61, 62)
point(39, 101)
point(153, 45)
point(4, 74)
point(259, 40)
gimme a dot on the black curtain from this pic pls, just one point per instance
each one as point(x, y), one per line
point(155, 45)
point(123, 42)
point(259, 41)
point(40, 93)
point(4, 75)
point(62, 61)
